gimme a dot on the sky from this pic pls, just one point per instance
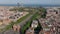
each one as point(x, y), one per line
point(55, 2)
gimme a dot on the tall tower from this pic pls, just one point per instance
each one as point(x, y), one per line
point(18, 4)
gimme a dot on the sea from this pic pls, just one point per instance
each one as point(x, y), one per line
point(30, 5)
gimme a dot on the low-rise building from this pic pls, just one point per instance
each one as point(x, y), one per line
point(50, 23)
point(30, 31)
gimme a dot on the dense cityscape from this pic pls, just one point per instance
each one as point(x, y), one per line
point(29, 17)
point(29, 20)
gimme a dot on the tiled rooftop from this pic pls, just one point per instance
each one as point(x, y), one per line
point(52, 19)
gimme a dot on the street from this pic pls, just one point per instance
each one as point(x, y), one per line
point(21, 24)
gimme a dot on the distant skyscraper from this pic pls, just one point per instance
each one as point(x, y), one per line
point(18, 4)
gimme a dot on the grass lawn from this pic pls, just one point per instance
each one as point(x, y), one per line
point(27, 25)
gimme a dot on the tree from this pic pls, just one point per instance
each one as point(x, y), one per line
point(43, 12)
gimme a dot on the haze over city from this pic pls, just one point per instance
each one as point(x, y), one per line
point(51, 2)
point(29, 16)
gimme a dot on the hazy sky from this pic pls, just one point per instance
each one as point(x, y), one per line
point(30, 1)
